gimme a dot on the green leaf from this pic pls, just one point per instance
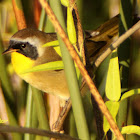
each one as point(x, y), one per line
point(51, 43)
point(65, 2)
point(113, 87)
point(55, 45)
point(130, 93)
point(72, 36)
point(56, 65)
point(124, 63)
point(71, 27)
point(57, 49)
point(113, 108)
point(131, 129)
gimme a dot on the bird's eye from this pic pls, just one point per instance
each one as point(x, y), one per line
point(23, 45)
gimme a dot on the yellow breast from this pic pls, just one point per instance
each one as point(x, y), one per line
point(21, 62)
point(52, 82)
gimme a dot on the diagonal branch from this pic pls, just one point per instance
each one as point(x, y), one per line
point(82, 69)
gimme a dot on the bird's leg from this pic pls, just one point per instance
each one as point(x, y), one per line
point(57, 126)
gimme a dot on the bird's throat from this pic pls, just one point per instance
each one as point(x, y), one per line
point(21, 63)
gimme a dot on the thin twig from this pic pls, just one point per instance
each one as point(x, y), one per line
point(82, 69)
point(63, 114)
point(35, 131)
point(105, 34)
point(116, 44)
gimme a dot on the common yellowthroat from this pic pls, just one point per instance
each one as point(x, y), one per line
point(27, 51)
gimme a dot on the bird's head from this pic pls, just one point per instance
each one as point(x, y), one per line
point(27, 42)
point(26, 49)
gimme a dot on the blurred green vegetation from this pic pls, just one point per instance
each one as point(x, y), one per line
point(21, 107)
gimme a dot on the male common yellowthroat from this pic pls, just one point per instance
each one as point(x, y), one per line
point(27, 51)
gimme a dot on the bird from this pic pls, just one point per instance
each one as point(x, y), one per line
point(27, 52)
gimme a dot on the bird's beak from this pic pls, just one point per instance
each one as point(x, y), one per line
point(10, 50)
